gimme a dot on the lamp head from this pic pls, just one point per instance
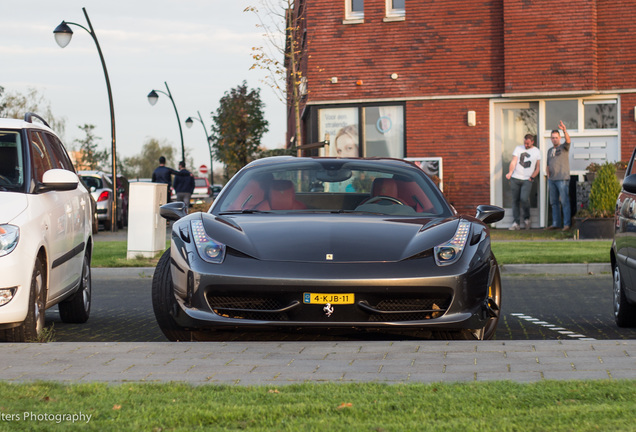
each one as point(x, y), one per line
point(63, 34)
point(153, 97)
point(189, 122)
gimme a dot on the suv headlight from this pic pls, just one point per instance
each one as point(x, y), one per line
point(9, 236)
point(209, 249)
point(451, 251)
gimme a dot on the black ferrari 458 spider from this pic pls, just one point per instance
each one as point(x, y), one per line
point(331, 244)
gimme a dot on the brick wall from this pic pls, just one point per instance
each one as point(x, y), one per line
point(445, 47)
point(550, 45)
point(438, 129)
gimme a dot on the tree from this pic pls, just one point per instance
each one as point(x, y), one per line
point(283, 57)
point(237, 129)
point(90, 157)
point(142, 165)
point(14, 104)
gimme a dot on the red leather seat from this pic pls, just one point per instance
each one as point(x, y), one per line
point(249, 198)
point(282, 196)
point(413, 195)
point(384, 187)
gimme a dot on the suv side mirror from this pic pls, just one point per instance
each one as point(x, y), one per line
point(57, 180)
point(629, 183)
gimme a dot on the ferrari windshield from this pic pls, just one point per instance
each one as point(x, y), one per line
point(333, 185)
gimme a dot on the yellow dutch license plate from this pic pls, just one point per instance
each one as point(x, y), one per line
point(321, 298)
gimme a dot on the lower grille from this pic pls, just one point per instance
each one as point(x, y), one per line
point(368, 307)
point(409, 309)
point(250, 308)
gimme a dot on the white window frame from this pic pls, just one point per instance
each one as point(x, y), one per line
point(351, 16)
point(393, 14)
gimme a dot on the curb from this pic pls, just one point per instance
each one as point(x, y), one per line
point(573, 269)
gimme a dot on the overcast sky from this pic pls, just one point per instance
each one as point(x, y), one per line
point(201, 48)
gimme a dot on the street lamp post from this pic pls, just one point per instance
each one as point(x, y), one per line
point(189, 121)
point(63, 35)
point(153, 97)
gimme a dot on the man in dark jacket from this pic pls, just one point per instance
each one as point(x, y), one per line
point(184, 185)
point(163, 174)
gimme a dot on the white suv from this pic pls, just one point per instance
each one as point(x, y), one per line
point(45, 231)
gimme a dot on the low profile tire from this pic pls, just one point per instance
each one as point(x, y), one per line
point(487, 332)
point(624, 312)
point(163, 301)
point(33, 324)
point(77, 308)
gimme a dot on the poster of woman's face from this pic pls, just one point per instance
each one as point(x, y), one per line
point(341, 125)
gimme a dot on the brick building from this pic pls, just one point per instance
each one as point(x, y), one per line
point(461, 82)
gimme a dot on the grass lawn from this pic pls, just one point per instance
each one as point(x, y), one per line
point(478, 406)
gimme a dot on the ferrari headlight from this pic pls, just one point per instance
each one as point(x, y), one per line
point(9, 236)
point(209, 249)
point(451, 251)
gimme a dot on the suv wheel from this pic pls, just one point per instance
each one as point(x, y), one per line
point(624, 312)
point(33, 324)
point(77, 308)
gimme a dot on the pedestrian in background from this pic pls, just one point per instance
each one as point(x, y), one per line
point(163, 174)
point(184, 185)
point(523, 169)
point(559, 178)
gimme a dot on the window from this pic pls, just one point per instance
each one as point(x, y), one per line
point(354, 11)
point(600, 114)
point(363, 131)
point(395, 10)
point(565, 110)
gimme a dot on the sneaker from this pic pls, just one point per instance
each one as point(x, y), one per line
point(552, 227)
point(514, 227)
point(566, 228)
point(527, 223)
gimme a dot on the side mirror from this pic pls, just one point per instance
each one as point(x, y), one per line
point(57, 180)
point(173, 211)
point(629, 183)
point(490, 214)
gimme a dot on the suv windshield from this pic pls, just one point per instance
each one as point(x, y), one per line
point(11, 160)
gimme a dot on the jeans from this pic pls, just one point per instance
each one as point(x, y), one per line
point(560, 199)
point(520, 195)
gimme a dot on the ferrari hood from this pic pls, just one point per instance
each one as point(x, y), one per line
point(337, 238)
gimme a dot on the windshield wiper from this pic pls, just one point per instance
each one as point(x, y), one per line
point(244, 211)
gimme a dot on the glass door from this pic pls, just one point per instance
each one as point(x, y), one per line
point(512, 122)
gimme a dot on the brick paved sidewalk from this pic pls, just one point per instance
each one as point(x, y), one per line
point(262, 363)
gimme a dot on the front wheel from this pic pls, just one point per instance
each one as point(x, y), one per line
point(33, 324)
point(487, 332)
point(163, 301)
point(77, 308)
point(624, 312)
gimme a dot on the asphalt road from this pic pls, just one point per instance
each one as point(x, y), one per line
point(534, 308)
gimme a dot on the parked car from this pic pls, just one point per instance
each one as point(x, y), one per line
point(94, 220)
point(101, 187)
point(216, 189)
point(623, 251)
point(46, 238)
point(334, 244)
point(202, 189)
point(123, 189)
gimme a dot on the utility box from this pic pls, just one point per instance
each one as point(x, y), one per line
point(146, 228)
